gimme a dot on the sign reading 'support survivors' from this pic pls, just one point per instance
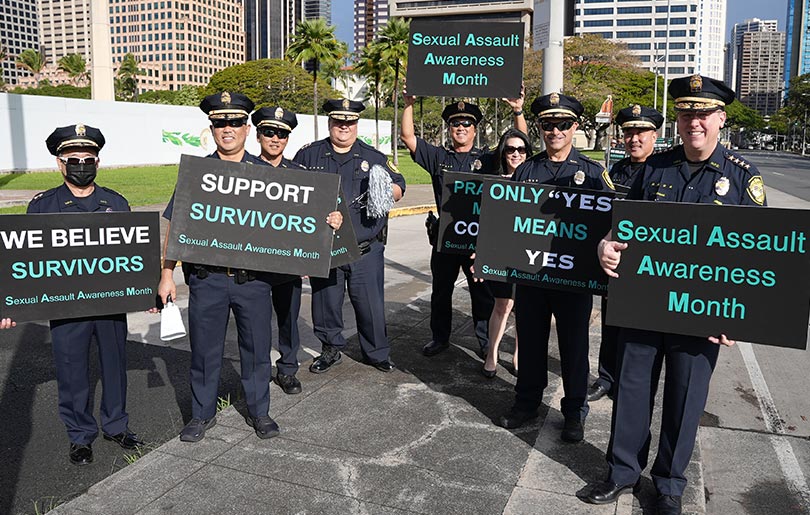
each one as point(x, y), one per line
point(254, 217)
point(706, 270)
point(68, 265)
point(461, 206)
point(542, 235)
point(465, 58)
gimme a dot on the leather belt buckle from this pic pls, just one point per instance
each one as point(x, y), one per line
point(229, 271)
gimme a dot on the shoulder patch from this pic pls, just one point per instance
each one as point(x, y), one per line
point(756, 190)
point(393, 167)
point(606, 178)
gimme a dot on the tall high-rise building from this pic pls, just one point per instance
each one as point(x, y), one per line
point(760, 69)
point(64, 28)
point(369, 17)
point(734, 46)
point(181, 42)
point(18, 20)
point(692, 29)
point(318, 9)
point(269, 27)
point(797, 52)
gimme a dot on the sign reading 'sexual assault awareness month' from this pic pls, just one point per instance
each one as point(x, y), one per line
point(542, 235)
point(255, 217)
point(706, 270)
point(68, 265)
point(461, 207)
point(482, 59)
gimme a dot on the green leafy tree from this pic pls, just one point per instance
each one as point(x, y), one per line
point(76, 68)
point(126, 82)
point(3, 57)
point(739, 115)
point(185, 96)
point(393, 42)
point(314, 41)
point(33, 61)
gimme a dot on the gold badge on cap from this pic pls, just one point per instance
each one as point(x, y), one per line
point(279, 114)
point(364, 166)
point(345, 103)
point(696, 83)
point(554, 99)
point(579, 178)
point(460, 106)
point(80, 130)
point(225, 97)
point(636, 110)
point(721, 186)
point(756, 190)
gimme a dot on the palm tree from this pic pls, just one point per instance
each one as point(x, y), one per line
point(3, 57)
point(33, 61)
point(370, 66)
point(127, 81)
point(336, 70)
point(314, 40)
point(393, 43)
point(75, 66)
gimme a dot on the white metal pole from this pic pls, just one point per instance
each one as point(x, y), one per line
point(666, 73)
point(553, 55)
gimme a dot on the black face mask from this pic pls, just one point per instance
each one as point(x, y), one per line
point(81, 174)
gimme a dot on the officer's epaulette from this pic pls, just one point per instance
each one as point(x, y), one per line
point(737, 160)
point(365, 145)
point(306, 145)
point(588, 159)
point(113, 192)
point(44, 194)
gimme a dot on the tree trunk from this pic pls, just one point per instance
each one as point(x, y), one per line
point(377, 112)
point(395, 135)
point(315, 98)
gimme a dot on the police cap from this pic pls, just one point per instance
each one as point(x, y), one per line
point(640, 117)
point(699, 93)
point(343, 108)
point(226, 105)
point(74, 136)
point(274, 117)
point(462, 109)
point(557, 105)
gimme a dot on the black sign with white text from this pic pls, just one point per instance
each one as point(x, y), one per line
point(68, 265)
point(242, 215)
point(461, 206)
point(706, 270)
point(465, 59)
point(542, 235)
point(344, 246)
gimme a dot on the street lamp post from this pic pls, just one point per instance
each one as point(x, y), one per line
point(804, 132)
point(666, 72)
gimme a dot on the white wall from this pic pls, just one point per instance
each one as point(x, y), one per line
point(136, 134)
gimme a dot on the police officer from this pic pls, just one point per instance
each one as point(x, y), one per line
point(462, 120)
point(273, 128)
point(76, 148)
point(342, 153)
point(214, 291)
point(639, 125)
point(559, 165)
point(698, 171)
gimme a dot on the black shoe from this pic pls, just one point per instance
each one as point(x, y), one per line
point(668, 505)
point(573, 430)
point(81, 454)
point(608, 491)
point(126, 439)
point(515, 418)
point(434, 347)
point(489, 374)
point(329, 356)
point(265, 426)
point(289, 383)
point(383, 366)
point(196, 428)
point(597, 391)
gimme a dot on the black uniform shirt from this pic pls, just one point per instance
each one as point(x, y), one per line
point(577, 171)
point(61, 200)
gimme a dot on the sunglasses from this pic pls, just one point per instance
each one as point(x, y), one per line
point(231, 122)
point(462, 123)
point(562, 125)
point(269, 132)
point(79, 160)
point(511, 150)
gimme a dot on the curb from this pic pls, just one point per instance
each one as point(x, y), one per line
point(411, 210)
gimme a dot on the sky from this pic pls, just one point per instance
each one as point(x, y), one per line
point(737, 11)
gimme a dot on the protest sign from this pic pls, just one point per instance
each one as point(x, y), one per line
point(253, 217)
point(68, 265)
point(542, 235)
point(465, 59)
point(344, 246)
point(703, 270)
point(461, 206)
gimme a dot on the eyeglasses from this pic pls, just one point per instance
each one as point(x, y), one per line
point(511, 150)
point(269, 132)
point(79, 160)
point(562, 125)
point(463, 123)
point(230, 122)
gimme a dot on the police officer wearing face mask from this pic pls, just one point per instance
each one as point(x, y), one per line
point(76, 148)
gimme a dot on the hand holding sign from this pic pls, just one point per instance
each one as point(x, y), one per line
point(7, 323)
point(610, 254)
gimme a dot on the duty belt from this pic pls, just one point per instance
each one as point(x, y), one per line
point(240, 275)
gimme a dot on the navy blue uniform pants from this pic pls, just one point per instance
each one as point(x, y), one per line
point(71, 355)
point(608, 352)
point(210, 303)
point(365, 281)
point(287, 306)
point(444, 268)
point(690, 362)
point(572, 311)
